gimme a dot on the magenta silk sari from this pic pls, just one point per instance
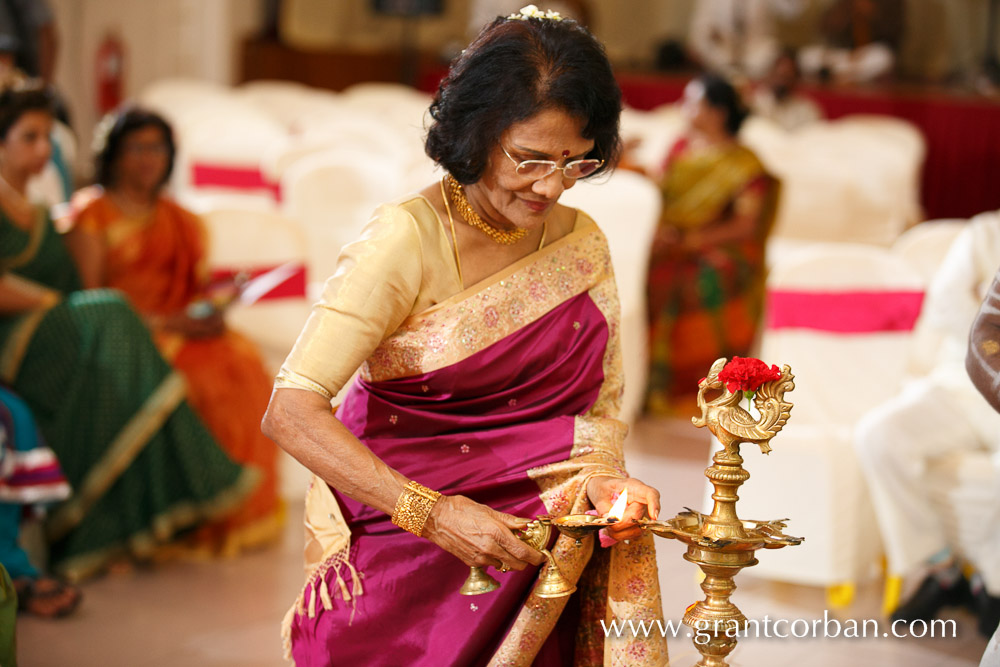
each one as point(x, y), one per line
point(507, 393)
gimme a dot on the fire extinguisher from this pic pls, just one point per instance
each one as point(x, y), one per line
point(110, 73)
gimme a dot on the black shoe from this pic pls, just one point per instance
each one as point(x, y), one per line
point(930, 598)
point(986, 607)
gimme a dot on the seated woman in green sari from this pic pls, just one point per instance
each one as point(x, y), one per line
point(705, 284)
point(141, 464)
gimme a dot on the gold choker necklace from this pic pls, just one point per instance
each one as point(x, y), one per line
point(470, 216)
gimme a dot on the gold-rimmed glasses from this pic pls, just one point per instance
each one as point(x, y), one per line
point(539, 169)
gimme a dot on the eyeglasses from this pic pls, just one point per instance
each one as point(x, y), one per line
point(539, 169)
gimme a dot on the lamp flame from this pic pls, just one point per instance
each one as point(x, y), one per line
point(617, 510)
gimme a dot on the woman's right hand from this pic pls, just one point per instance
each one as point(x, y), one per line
point(195, 327)
point(479, 535)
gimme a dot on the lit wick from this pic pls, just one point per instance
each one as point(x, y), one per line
point(617, 510)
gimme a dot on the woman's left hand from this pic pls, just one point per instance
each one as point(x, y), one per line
point(642, 500)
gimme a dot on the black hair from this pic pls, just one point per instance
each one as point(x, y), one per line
point(513, 70)
point(19, 100)
point(128, 121)
point(720, 94)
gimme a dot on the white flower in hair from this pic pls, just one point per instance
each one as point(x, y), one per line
point(533, 12)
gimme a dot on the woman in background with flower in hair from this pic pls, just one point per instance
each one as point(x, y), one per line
point(484, 317)
point(133, 238)
point(705, 287)
point(141, 465)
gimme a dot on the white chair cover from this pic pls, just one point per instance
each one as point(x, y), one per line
point(243, 239)
point(924, 246)
point(332, 195)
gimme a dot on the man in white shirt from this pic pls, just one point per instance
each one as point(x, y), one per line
point(941, 414)
point(778, 100)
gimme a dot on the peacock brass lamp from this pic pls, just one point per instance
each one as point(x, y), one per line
point(720, 543)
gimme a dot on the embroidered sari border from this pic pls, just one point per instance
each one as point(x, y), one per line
point(491, 310)
point(13, 352)
point(35, 238)
point(144, 544)
point(122, 451)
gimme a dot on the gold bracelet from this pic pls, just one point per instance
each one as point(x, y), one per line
point(413, 507)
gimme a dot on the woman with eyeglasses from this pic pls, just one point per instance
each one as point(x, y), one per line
point(128, 235)
point(141, 465)
point(705, 287)
point(484, 318)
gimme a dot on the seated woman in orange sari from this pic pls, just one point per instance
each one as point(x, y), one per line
point(705, 285)
point(130, 237)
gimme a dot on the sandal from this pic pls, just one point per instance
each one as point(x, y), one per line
point(46, 597)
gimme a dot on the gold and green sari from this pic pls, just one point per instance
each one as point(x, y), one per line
point(141, 464)
point(704, 303)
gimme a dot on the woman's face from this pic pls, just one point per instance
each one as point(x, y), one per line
point(27, 148)
point(506, 196)
point(143, 160)
point(701, 116)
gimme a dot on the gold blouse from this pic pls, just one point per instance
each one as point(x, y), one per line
point(402, 264)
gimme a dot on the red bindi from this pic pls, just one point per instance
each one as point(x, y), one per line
point(565, 153)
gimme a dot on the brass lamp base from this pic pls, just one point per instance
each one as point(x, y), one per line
point(479, 582)
point(551, 582)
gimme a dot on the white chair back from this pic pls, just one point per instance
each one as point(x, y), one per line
point(255, 241)
point(332, 195)
point(841, 180)
point(860, 361)
point(924, 246)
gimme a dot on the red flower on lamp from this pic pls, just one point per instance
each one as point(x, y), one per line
point(747, 374)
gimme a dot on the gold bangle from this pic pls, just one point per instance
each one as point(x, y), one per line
point(413, 507)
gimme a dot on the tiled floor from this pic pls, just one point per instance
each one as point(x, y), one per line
point(227, 614)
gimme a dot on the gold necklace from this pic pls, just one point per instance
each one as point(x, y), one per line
point(470, 216)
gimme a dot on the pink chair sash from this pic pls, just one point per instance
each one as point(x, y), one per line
point(848, 312)
point(207, 175)
point(293, 287)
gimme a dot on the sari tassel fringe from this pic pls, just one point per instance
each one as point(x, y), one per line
point(316, 585)
point(324, 594)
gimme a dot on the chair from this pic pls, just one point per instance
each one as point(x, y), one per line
point(178, 92)
point(351, 128)
point(841, 317)
point(256, 241)
point(841, 181)
point(332, 195)
point(924, 246)
point(219, 149)
point(285, 101)
point(627, 207)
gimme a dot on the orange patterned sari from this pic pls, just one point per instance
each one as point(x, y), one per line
point(159, 263)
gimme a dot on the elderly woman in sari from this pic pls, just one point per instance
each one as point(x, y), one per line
point(141, 464)
point(484, 317)
point(131, 237)
point(705, 286)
